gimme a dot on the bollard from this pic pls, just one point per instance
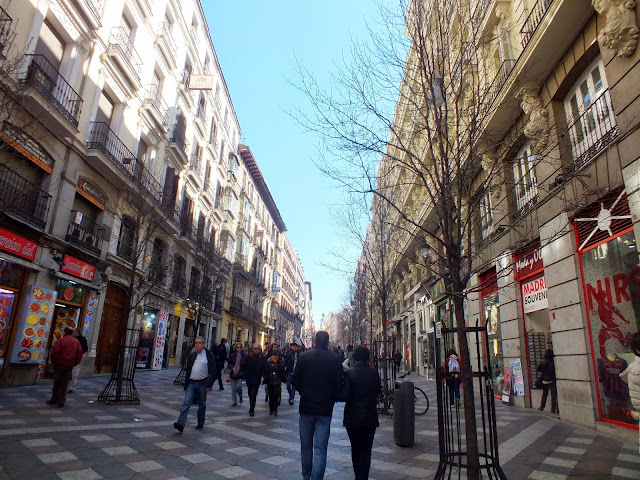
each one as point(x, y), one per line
point(404, 415)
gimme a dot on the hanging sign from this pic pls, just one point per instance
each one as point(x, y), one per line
point(534, 295)
point(77, 268)
point(161, 339)
point(201, 82)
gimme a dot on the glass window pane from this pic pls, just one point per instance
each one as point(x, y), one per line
point(597, 79)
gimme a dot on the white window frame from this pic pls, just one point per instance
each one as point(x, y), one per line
point(486, 215)
point(524, 177)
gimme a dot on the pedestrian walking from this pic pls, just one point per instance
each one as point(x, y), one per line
point(66, 353)
point(362, 387)
point(274, 376)
point(253, 374)
point(397, 360)
point(452, 365)
point(548, 370)
point(75, 373)
point(290, 363)
point(268, 351)
point(237, 365)
point(220, 354)
point(631, 376)
point(199, 379)
point(318, 378)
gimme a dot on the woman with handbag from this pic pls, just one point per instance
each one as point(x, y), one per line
point(548, 379)
point(237, 365)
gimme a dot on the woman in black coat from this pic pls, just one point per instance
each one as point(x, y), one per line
point(548, 370)
point(254, 369)
point(362, 386)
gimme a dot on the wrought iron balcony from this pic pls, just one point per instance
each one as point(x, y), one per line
point(179, 285)
point(95, 6)
point(85, 232)
point(592, 132)
point(5, 29)
point(120, 44)
point(533, 20)
point(482, 6)
point(179, 142)
point(217, 308)
point(200, 115)
point(156, 104)
point(23, 199)
point(45, 79)
point(498, 82)
point(525, 199)
point(105, 140)
point(195, 164)
point(166, 43)
point(237, 306)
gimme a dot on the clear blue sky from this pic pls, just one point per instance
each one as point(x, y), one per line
point(258, 42)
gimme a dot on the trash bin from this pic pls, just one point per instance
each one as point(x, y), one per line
point(404, 415)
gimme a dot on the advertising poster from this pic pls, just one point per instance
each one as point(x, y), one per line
point(89, 311)
point(30, 344)
point(161, 338)
point(506, 385)
point(142, 357)
point(534, 295)
point(518, 379)
point(6, 305)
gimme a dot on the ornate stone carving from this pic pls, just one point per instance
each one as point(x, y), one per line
point(620, 32)
point(536, 129)
point(494, 173)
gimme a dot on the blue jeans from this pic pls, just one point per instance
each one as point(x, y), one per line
point(290, 388)
point(236, 389)
point(314, 438)
point(198, 387)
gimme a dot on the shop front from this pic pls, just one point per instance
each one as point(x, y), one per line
point(610, 272)
point(490, 317)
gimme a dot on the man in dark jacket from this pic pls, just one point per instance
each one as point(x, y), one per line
point(199, 378)
point(66, 353)
point(362, 387)
point(290, 363)
point(220, 353)
point(318, 378)
point(254, 370)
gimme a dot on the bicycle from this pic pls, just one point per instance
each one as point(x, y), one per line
point(420, 399)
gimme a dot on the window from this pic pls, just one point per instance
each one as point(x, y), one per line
point(524, 176)
point(486, 216)
point(213, 131)
point(126, 239)
point(179, 274)
point(157, 266)
point(589, 112)
point(105, 109)
point(194, 283)
point(221, 151)
point(50, 45)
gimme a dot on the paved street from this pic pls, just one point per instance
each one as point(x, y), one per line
point(89, 440)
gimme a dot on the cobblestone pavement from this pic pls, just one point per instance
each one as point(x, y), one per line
point(89, 440)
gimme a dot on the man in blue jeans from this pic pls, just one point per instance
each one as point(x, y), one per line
point(318, 378)
point(290, 363)
point(199, 378)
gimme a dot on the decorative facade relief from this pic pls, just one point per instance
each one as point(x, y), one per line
point(536, 129)
point(620, 32)
point(494, 173)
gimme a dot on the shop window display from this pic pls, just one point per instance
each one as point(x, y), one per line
point(491, 318)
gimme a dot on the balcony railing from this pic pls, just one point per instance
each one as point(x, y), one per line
point(179, 141)
point(85, 232)
point(178, 286)
point(525, 199)
point(45, 79)
point(105, 140)
point(120, 42)
point(95, 6)
point(200, 114)
point(482, 7)
point(533, 20)
point(154, 99)
point(22, 198)
point(593, 131)
point(5, 29)
point(167, 41)
point(237, 305)
point(498, 82)
point(195, 164)
point(217, 308)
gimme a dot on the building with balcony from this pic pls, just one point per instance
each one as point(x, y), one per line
point(550, 105)
point(116, 143)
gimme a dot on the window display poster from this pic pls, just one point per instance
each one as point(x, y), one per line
point(506, 385)
point(89, 312)
point(158, 354)
point(518, 379)
point(6, 305)
point(147, 339)
point(143, 357)
point(30, 344)
point(612, 289)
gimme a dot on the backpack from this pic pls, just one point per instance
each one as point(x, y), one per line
point(453, 365)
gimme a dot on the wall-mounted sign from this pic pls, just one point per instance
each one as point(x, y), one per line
point(77, 268)
point(91, 193)
point(201, 82)
point(534, 295)
point(20, 246)
point(529, 262)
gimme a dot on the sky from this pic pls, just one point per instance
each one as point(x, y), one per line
point(258, 43)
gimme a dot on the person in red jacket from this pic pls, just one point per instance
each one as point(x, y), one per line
point(66, 353)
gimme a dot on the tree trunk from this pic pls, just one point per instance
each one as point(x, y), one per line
point(473, 462)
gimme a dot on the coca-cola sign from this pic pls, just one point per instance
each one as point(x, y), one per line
point(12, 243)
point(529, 262)
point(77, 268)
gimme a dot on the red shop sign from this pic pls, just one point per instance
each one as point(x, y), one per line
point(529, 262)
point(78, 268)
point(10, 242)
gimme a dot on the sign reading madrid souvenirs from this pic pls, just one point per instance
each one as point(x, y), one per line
point(534, 295)
point(12, 243)
point(77, 268)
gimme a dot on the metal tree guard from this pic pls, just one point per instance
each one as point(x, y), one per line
point(182, 375)
point(121, 390)
point(450, 428)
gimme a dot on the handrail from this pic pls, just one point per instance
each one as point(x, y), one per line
point(167, 38)
point(96, 6)
point(533, 20)
point(119, 40)
point(23, 198)
point(43, 77)
point(154, 98)
point(86, 232)
point(499, 80)
point(5, 28)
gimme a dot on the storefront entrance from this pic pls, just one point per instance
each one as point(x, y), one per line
point(114, 322)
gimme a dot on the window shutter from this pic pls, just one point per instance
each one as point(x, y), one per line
point(105, 109)
point(50, 44)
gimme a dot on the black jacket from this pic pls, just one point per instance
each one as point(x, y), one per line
point(211, 365)
point(220, 353)
point(83, 343)
point(254, 369)
point(362, 386)
point(274, 374)
point(289, 360)
point(548, 370)
point(318, 378)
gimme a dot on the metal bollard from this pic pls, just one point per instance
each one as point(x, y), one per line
point(404, 415)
